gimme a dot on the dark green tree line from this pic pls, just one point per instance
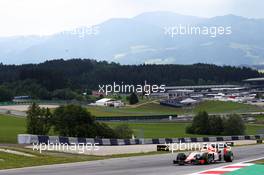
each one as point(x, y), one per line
point(48, 79)
point(71, 121)
point(215, 125)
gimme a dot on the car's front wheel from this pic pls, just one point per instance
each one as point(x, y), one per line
point(180, 159)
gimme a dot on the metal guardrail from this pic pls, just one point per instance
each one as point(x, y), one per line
point(31, 139)
point(129, 118)
point(13, 112)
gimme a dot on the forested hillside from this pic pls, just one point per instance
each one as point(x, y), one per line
point(67, 78)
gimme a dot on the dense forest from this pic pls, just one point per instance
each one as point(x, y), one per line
point(67, 79)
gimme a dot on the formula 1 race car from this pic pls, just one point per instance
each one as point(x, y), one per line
point(210, 153)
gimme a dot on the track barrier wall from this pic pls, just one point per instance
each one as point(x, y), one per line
point(37, 139)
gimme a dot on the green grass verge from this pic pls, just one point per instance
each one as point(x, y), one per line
point(17, 161)
point(157, 130)
point(10, 126)
point(171, 130)
point(260, 119)
point(156, 109)
point(254, 128)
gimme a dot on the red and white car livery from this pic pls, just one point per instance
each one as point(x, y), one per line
point(210, 153)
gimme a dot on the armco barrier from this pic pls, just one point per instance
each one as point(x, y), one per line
point(134, 118)
point(36, 139)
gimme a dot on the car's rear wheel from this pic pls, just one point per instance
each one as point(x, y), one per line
point(229, 157)
point(205, 158)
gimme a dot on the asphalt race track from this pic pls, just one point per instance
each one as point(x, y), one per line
point(154, 164)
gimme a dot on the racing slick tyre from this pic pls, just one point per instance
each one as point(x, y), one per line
point(180, 159)
point(229, 157)
point(206, 159)
point(211, 158)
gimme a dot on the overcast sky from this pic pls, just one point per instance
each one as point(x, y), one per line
point(42, 17)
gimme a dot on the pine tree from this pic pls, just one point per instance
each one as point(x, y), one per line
point(38, 120)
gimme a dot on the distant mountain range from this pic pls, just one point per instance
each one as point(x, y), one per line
point(143, 39)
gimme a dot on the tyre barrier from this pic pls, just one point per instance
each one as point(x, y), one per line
point(259, 141)
point(230, 143)
point(37, 139)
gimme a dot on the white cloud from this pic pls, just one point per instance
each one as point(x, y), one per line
point(119, 56)
point(141, 48)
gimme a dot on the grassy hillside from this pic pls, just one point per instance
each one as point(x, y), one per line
point(156, 109)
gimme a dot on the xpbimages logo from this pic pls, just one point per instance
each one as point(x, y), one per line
point(212, 31)
point(125, 88)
